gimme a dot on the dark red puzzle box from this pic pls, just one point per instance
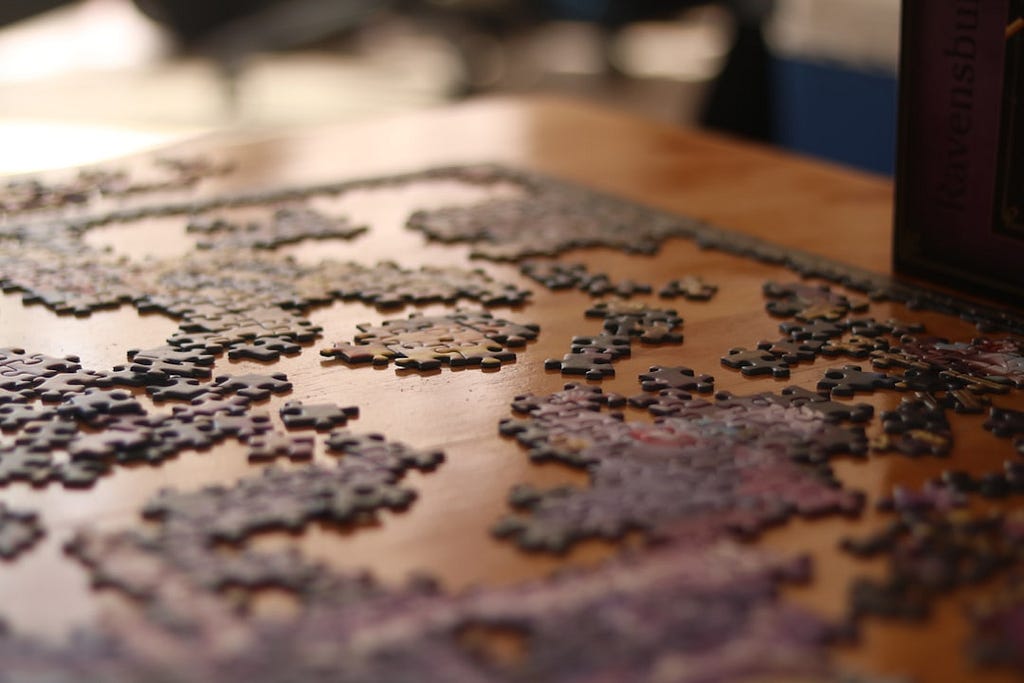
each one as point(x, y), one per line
point(960, 167)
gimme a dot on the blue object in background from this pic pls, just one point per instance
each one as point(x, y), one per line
point(836, 112)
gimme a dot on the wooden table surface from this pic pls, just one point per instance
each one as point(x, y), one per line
point(791, 201)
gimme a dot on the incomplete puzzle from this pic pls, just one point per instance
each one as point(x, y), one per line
point(678, 466)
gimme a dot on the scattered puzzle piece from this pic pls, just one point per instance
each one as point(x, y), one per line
point(265, 349)
point(270, 446)
point(681, 378)
point(807, 303)
point(850, 379)
point(792, 351)
point(19, 531)
point(593, 366)
point(320, 416)
point(756, 362)
point(253, 386)
point(817, 329)
point(690, 288)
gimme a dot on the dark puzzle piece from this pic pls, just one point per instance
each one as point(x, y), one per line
point(56, 388)
point(355, 354)
point(172, 361)
point(898, 328)
point(15, 415)
point(19, 531)
point(170, 354)
point(554, 275)
point(12, 396)
point(198, 434)
point(691, 288)
point(210, 404)
point(94, 404)
point(20, 370)
point(617, 346)
point(930, 381)
point(667, 402)
point(867, 327)
point(179, 389)
point(850, 379)
point(271, 446)
point(792, 351)
point(110, 444)
point(393, 456)
point(265, 349)
point(1005, 422)
point(680, 378)
point(488, 355)
point(253, 386)
point(25, 464)
point(124, 376)
point(600, 285)
point(808, 302)
point(422, 357)
point(507, 332)
point(915, 428)
point(47, 435)
point(658, 333)
point(756, 362)
point(287, 225)
point(319, 416)
point(242, 427)
point(854, 346)
point(830, 411)
point(632, 318)
point(161, 367)
point(593, 366)
point(818, 330)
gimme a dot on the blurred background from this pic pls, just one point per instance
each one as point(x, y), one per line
point(85, 80)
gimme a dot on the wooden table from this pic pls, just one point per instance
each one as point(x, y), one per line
point(791, 201)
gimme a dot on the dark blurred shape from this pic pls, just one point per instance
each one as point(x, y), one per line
point(228, 30)
point(616, 13)
point(741, 101)
point(16, 10)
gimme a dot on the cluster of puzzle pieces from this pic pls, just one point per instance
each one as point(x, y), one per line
point(72, 425)
point(424, 343)
point(547, 221)
point(23, 195)
point(705, 467)
point(287, 225)
point(936, 545)
point(558, 276)
point(592, 355)
point(350, 628)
